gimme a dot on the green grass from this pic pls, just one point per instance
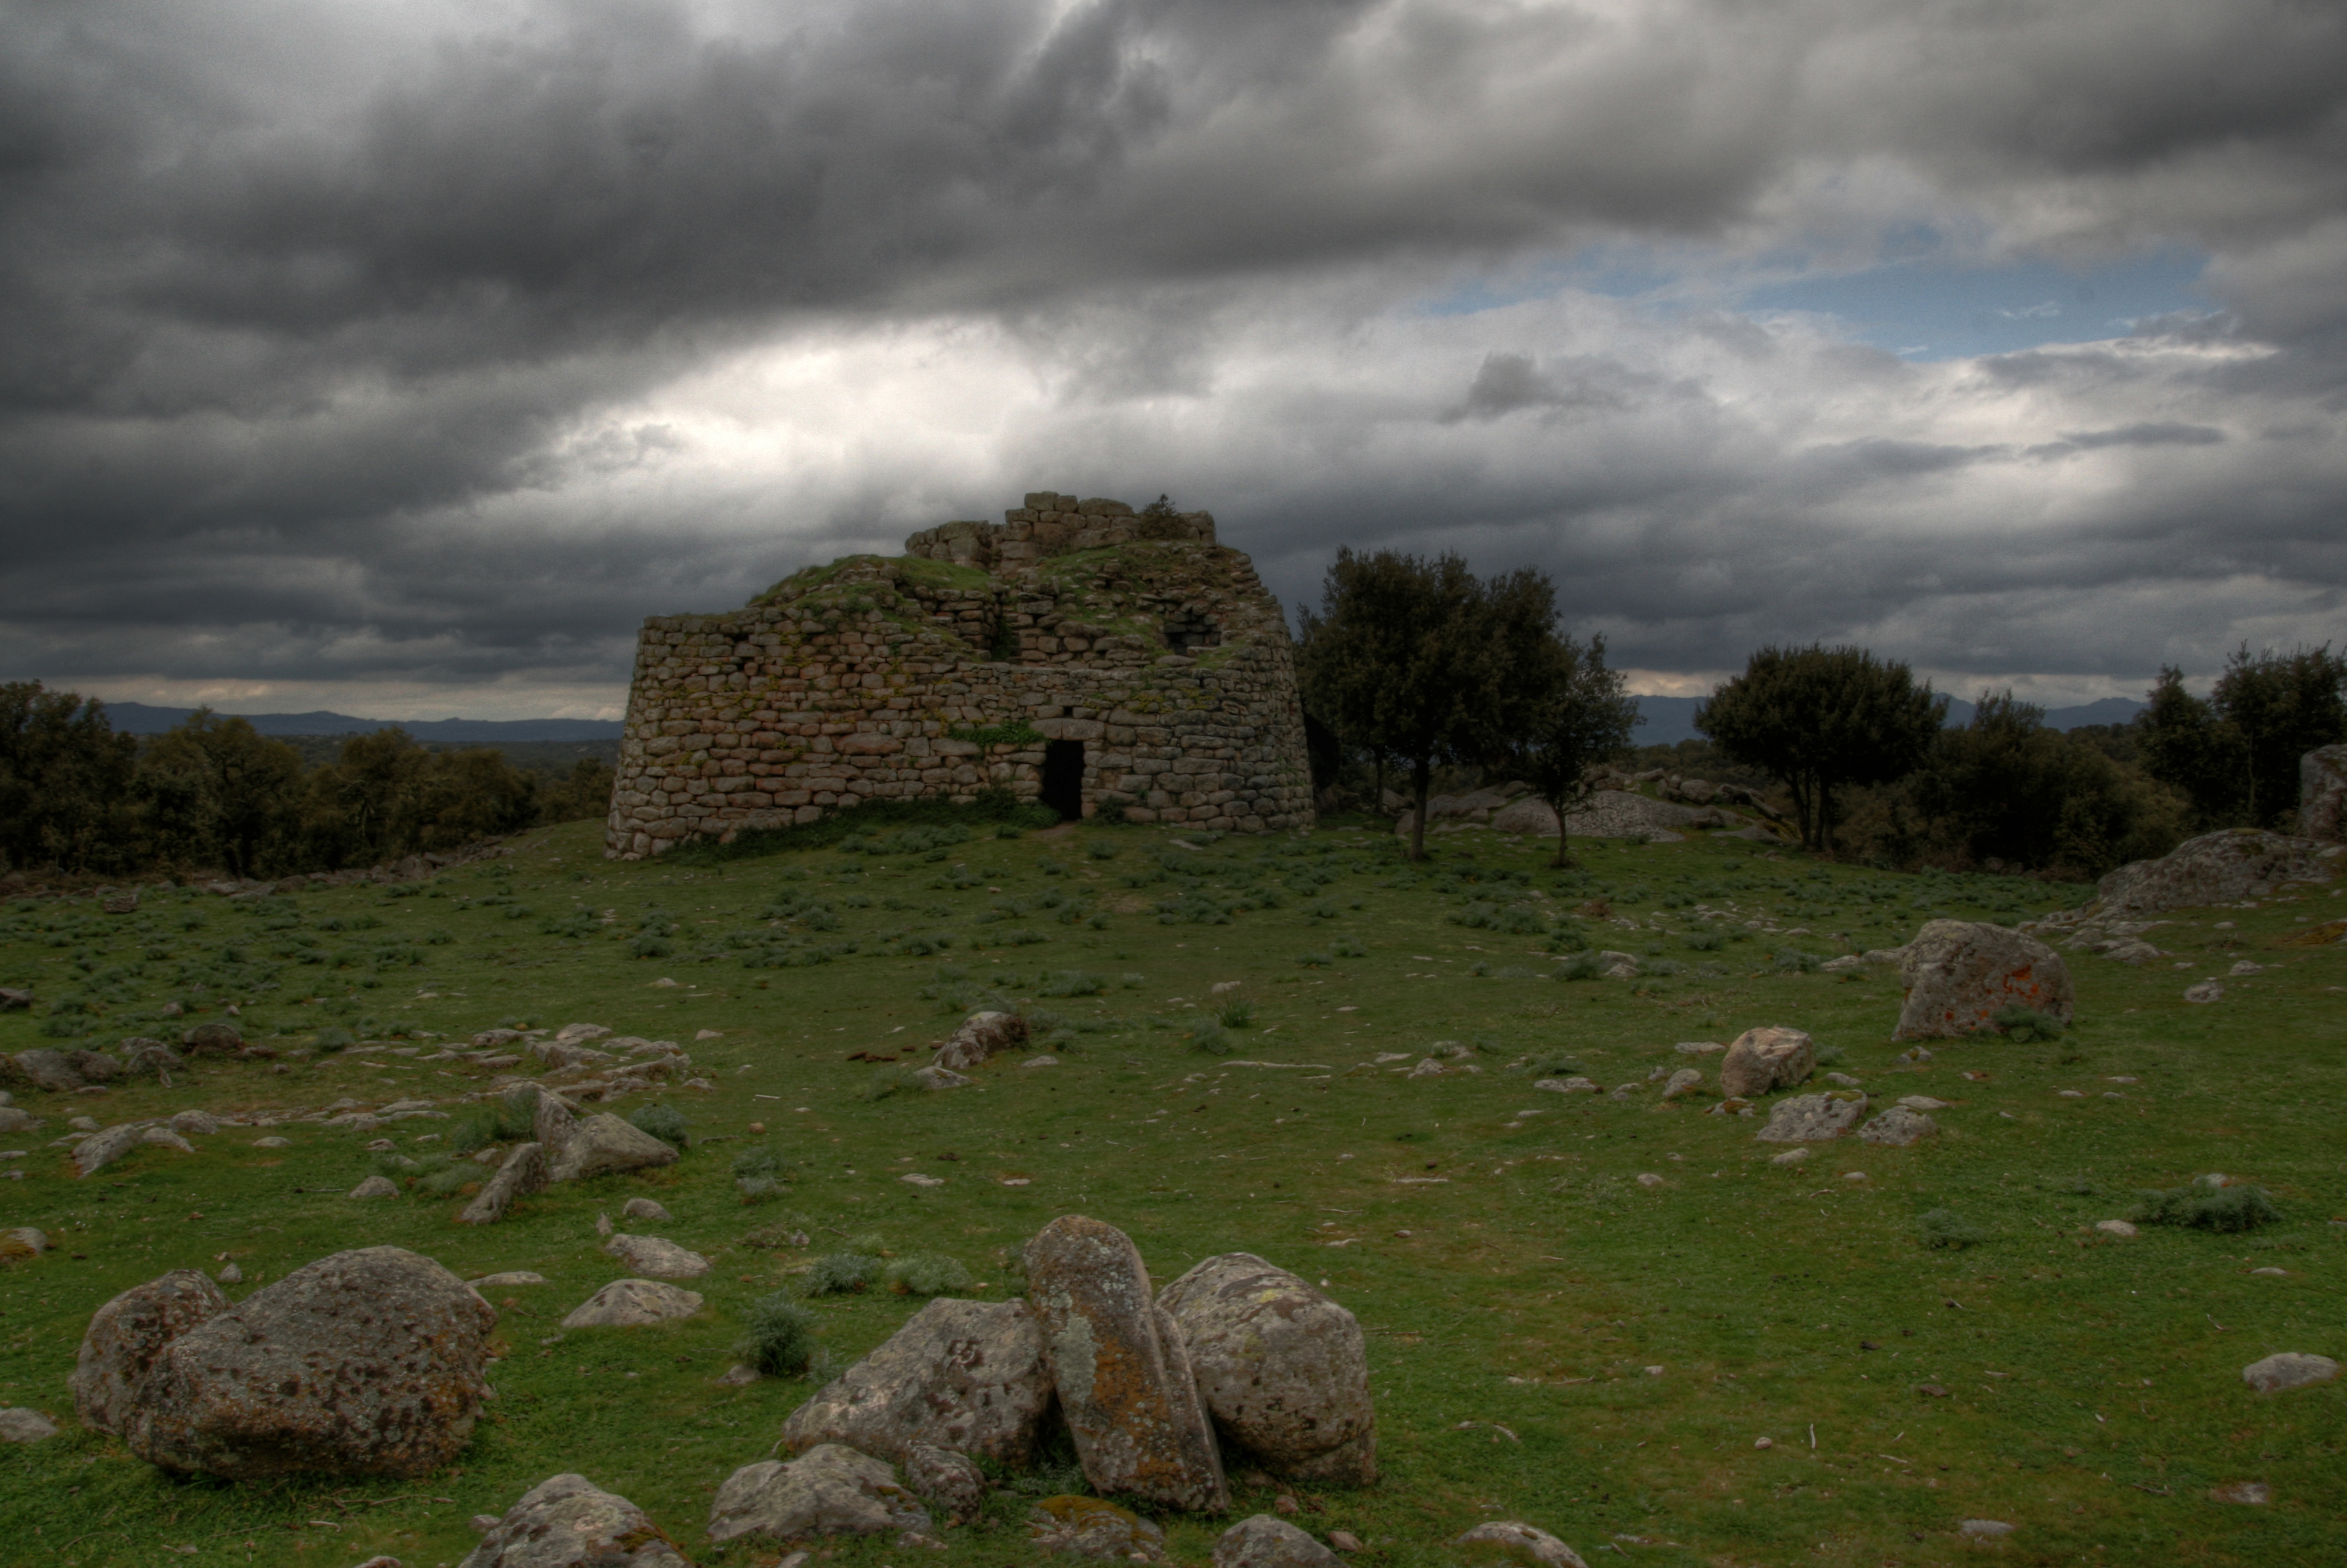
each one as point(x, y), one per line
point(1510, 1270)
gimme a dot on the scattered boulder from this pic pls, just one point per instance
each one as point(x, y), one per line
point(2135, 950)
point(126, 1333)
point(2122, 1229)
point(100, 1150)
point(947, 1480)
point(15, 1001)
point(1765, 1058)
point(1090, 1527)
point(1813, 1118)
point(196, 1123)
point(49, 1070)
point(830, 1489)
point(658, 1259)
point(22, 1425)
point(2288, 1369)
point(375, 1187)
point(567, 1522)
point(966, 1377)
point(1576, 1085)
point(1686, 1081)
point(212, 1040)
point(2323, 793)
point(146, 1058)
point(164, 1138)
point(24, 1241)
point(15, 1118)
point(1959, 974)
point(94, 1066)
point(1267, 1541)
point(368, 1362)
point(631, 1303)
point(1899, 1127)
point(1283, 1370)
point(1121, 1369)
point(980, 1036)
point(601, 1144)
point(506, 1280)
point(2224, 868)
point(2255, 1494)
point(943, 1077)
point(523, 1172)
point(2207, 991)
point(644, 1209)
point(1519, 1542)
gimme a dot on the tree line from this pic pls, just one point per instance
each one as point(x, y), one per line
point(1417, 665)
point(214, 794)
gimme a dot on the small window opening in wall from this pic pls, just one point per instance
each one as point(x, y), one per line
point(1063, 778)
point(1192, 628)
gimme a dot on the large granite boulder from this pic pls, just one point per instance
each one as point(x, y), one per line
point(982, 1034)
point(567, 1522)
point(827, 1490)
point(2215, 869)
point(2322, 794)
point(1267, 1541)
point(598, 1146)
point(126, 1333)
point(1121, 1369)
point(368, 1362)
point(1958, 975)
point(1813, 1118)
point(965, 1375)
point(1283, 1370)
point(1767, 1059)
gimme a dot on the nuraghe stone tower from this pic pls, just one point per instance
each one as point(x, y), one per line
point(1079, 652)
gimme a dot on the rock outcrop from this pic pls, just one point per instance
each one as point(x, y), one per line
point(2322, 794)
point(1094, 1530)
point(1765, 1060)
point(1813, 1118)
point(2215, 869)
point(522, 1173)
point(567, 1522)
point(827, 1490)
point(126, 1335)
point(1283, 1370)
point(365, 1363)
point(982, 1034)
point(1958, 975)
point(968, 1377)
point(631, 1304)
point(1120, 1369)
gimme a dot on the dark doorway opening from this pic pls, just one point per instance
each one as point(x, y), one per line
point(1063, 778)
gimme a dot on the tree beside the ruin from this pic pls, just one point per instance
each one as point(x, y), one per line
point(2235, 752)
point(1586, 720)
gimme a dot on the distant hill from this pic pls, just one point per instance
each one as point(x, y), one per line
point(140, 719)
point(1670, 719)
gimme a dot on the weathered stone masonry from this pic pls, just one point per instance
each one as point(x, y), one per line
point(1116, 656)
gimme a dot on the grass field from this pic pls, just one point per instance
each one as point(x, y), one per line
point(1518, 1286)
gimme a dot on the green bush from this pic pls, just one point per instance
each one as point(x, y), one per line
point(1947, 1228)
point(448, 1181)
point(2230, 1210)
point(1346, 948)
point(1582, 966)
point(2026, 1025)
point(926, 1273)
point(1206, 1034)
point(839, 1273)
point(334, 1040)
point(1237, 1012)
point(757, 1161)
point(1705, 941)
point(498, 1124)
point(888, 1080)
point(777, 1335)
point(664, 1123)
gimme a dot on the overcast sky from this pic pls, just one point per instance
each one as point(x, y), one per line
point(400, 358)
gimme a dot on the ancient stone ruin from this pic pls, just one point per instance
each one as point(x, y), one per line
point(1079, 653)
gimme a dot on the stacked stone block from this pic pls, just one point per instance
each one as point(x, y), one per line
point(850, 683)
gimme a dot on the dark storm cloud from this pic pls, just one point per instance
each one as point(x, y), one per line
point(312, 322)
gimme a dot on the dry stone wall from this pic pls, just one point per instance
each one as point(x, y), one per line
point(1079, 650)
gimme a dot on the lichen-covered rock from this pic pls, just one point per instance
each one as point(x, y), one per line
point(1813, 1118)
point(1089, 1528)
point(20, 1424)
point(1283, 1370)
point(567, 1522)
point(631, 1304)
point(2214, 868)
point(657, 1258)
point(1267, 1541)
point(980, 1036)
point(377, 1186)
point(1959, 974)
point(1514, 1542)
point(1899, 1127)
point(523, 1172)
point(196, 1123)
point(2323, 793)
point(1121, 1369)
point(1767, 1059)
point(601, 1144)
point(947, 1480)
point(365, 1363)
point(100, 1150)
point(963, 1376)
point(2288, 1369)
point(48, 1069)
point(94, 1066)
point(126, 1333)
point(829, 1490)
point(212, 1040)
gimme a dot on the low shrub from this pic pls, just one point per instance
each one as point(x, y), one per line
point(2228, 1210)
point(664, 1123)
point(1206, 1034)
point(777, 1335)
point(926, 1274)
point(839, 1273)
point(1947, 1228)
point(1237, 1012)
point(888, 1080)
point(2026, 1025)
point(1584, 965)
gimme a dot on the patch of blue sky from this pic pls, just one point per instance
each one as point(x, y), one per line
point(1922, 305)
